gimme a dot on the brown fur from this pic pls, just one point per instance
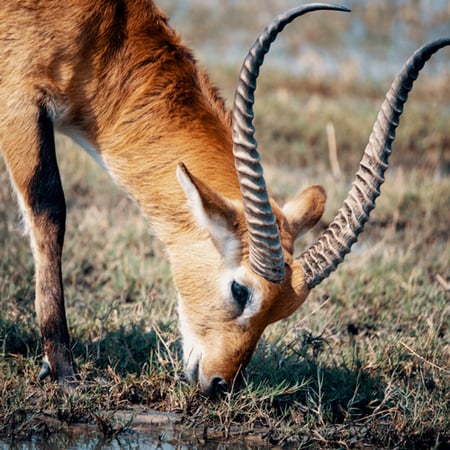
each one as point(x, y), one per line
point(115, 76)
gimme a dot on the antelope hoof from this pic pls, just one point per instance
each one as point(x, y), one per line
point(45, 370)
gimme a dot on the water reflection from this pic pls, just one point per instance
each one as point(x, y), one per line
point(159, 437)
point(89, 440)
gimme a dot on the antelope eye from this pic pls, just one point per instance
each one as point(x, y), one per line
point(240, 293)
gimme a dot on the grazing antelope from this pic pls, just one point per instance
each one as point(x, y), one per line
point(115, 77)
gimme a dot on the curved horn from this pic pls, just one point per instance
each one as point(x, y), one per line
point(335, 242)
point(266, 254)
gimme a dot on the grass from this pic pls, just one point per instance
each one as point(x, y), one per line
point(363, 363)
point(365, 360)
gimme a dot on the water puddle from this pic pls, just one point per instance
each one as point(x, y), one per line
point(149, 430)
point(165, 438)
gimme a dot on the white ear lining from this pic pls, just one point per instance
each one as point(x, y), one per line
point(217, 226)
point(194, 199)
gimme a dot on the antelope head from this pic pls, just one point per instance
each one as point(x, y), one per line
point(245, 276)
point(243, 286)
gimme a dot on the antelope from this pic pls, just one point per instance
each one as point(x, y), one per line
point(114, 76)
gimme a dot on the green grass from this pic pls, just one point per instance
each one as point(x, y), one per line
point(364, 361)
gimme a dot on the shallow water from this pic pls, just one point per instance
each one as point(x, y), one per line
point(164, 440)
point(160, 437)
point(147, 429)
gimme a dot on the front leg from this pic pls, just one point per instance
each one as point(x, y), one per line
point(28, 144)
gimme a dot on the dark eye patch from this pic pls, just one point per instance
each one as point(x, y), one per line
point(240, 293)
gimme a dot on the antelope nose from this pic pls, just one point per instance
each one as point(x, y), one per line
point(216, 386)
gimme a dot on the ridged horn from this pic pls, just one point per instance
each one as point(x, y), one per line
point(335, 242)
point(265, 251)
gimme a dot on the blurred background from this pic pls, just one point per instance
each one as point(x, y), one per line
point(371, 42)
point(326, 75)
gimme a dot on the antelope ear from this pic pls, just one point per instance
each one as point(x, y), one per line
point(305, 209)
point(212, 212)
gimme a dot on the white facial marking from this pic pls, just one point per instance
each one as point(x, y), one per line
point(192, 348)
point(242, 276)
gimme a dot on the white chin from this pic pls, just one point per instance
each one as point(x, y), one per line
point(191, 364)
point(192, 349)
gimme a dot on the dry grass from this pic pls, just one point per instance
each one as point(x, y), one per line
point(364, 360)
